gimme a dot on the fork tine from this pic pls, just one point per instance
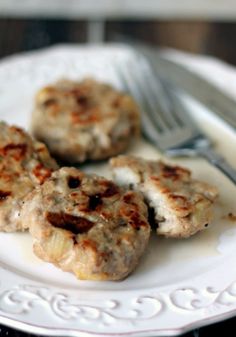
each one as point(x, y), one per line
point(149, 129)
point(152, 106)
point(161, 139)
point(180, 110)
point(153, 127)
point(157, 93)
point(135, 86)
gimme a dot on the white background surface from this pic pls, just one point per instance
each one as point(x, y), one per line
point(203, 9)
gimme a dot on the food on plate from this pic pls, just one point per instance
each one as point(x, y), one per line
point(181, 205)
point(87, 225)
point(85, 120)
point(24, 164)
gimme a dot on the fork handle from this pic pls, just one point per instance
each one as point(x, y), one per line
point(218, 161)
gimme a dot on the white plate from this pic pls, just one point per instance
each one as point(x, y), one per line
point(179, 285)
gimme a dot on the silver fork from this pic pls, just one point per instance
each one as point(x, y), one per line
point(165, 121)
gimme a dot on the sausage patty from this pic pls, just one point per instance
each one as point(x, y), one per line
point(87, 225)
point(24, 164)
point(181, 206)
point(85, 120)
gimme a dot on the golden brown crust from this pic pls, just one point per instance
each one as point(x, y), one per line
point(84, 120)
point(87, 225)
point(182, 205)
point(24, 164)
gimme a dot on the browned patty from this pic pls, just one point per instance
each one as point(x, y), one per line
point(85, 120)
point(24, 164)
point(182, 206)
point(87, 225)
